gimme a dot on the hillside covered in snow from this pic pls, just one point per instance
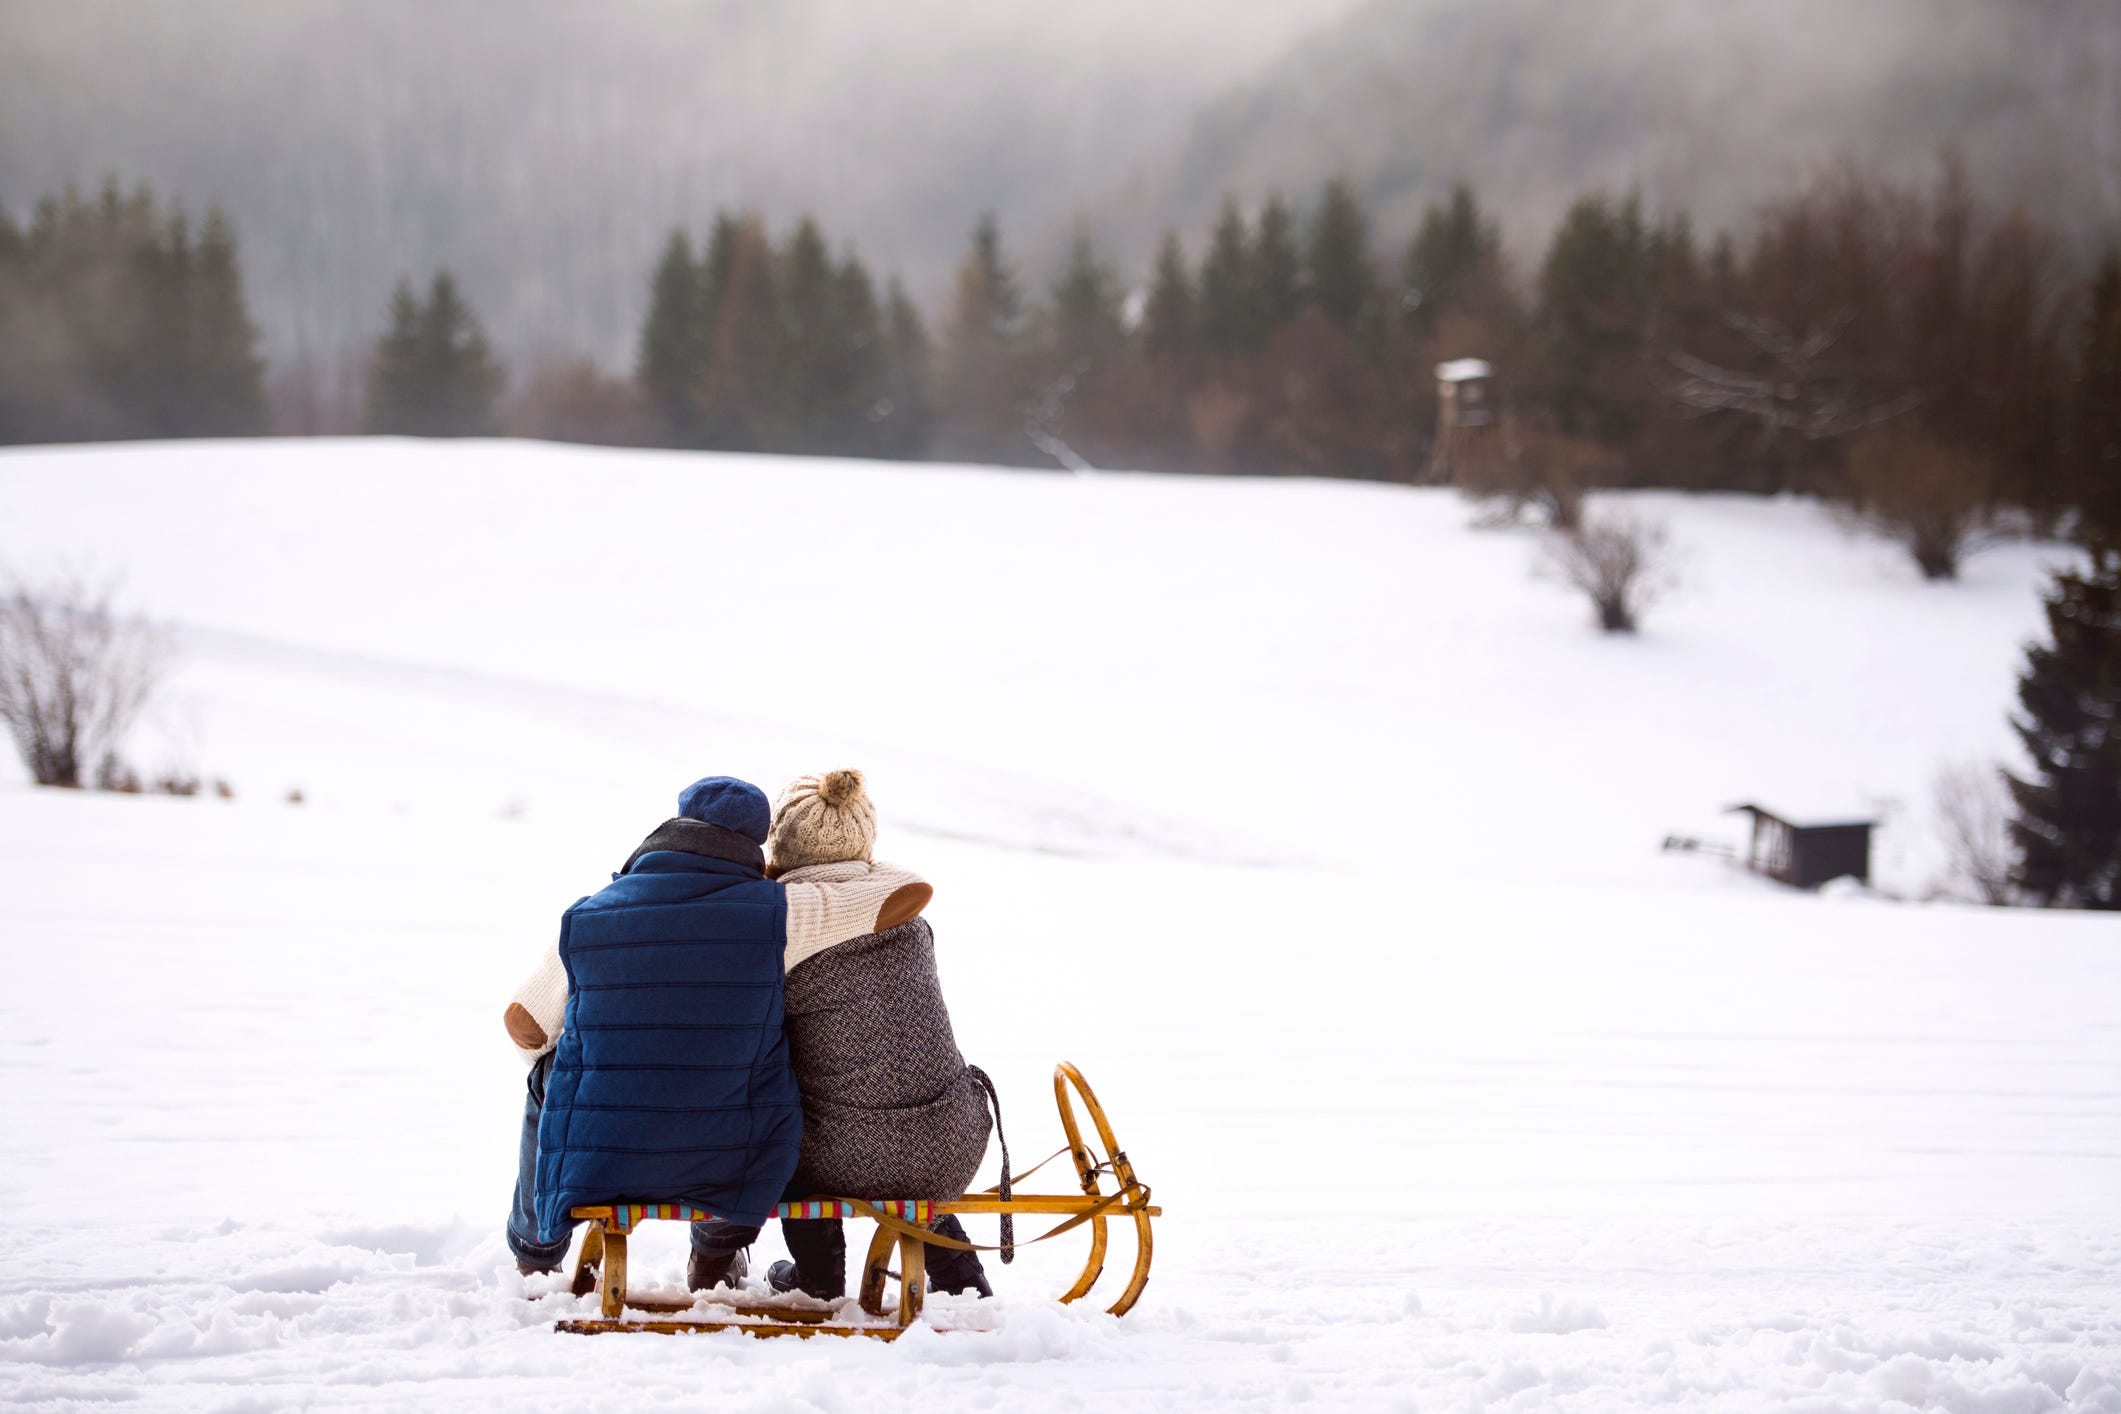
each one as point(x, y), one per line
point(1315, 828)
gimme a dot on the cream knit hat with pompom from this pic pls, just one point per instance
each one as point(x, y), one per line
point(822, 819)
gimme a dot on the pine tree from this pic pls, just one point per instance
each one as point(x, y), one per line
point(811, 353)
point(1277, 268)
point(1453, 242)
point(1169, 321)
point(981, 386)
point(433, 374)
point(987, 295)
point(1229, 312)
point(395, 377)
point(2094, 433)
point(1594, 293)
point(860, 375)
point(667, 366)
point(19, 366)
point(904, 423)
point(717, 259)
point(1085, 300)
point(742, 407)
point(229, 377)
point(157, 380)
point(1337, 258)
point(2068, 826)
point(465, 378)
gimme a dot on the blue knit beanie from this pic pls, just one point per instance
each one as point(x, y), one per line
point(728, 802)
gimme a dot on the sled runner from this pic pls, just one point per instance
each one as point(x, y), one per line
point(901, 1226)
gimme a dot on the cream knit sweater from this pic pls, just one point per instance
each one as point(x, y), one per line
point(829, 904)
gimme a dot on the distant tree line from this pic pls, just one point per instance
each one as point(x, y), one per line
point(1920, 359)
point(1929, 363)
point(120, 319)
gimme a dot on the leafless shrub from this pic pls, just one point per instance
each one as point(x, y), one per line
point(1933, 498)
point(1622, 565)
point(1973, 806)
point(74, 677)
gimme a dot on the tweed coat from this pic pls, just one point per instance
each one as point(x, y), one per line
point(890, 1109)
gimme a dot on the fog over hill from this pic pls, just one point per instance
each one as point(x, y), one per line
point(1706, 107)
point(544, 148)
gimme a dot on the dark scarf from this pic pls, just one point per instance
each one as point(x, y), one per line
point(683, 836)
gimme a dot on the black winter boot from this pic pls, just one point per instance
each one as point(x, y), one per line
point(952, 1271)
point(785, 1276)
point(819, 1247)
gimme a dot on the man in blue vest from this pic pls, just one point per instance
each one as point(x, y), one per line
point(660, 1072)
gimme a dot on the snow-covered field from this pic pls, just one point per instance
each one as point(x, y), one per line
point(1315, 830)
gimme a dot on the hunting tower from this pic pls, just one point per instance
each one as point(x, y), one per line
point(1466, 421)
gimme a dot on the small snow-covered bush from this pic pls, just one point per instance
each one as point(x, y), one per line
point(74, 676)
point(1622, 565)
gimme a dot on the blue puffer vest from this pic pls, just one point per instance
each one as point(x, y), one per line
point(671, 1081)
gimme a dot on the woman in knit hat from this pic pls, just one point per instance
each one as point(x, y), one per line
point(890, 1109)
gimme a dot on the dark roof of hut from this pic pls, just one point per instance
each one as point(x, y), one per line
point(1828, 818)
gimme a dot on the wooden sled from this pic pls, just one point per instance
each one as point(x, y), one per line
point(901, 1226)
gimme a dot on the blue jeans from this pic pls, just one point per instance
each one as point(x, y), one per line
point(523, 1216)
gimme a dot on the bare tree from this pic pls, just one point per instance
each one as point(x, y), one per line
point(1800, 387)
point(74, 677)
point(1622, 565)
point(1933, 498)
point(1973, 805)
point(1860, 307)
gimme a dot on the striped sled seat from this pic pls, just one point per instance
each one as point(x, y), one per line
point(901, 1225)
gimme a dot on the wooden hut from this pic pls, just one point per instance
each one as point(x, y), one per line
point(1806, 855)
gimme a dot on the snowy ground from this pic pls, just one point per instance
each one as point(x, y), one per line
point(1318, 833)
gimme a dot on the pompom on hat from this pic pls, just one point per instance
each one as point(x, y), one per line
point(822, 819)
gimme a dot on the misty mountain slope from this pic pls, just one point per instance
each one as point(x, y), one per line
point(544, 149)
point(1710, 108)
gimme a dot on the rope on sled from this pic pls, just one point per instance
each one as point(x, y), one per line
point(997, 1188)
point(994, 1099)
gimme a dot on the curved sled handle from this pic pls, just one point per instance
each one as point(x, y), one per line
point(1131, 1192)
